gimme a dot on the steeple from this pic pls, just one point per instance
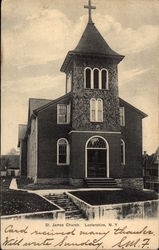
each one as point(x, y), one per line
point(91, 43)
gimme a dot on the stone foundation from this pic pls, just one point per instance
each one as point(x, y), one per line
point(76, 182)
point(133, 183)
point(52, 181)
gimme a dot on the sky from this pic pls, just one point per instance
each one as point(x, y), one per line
point(36, 36)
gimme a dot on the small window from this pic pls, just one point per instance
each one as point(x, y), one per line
point(88, 78)
point(96, 78)
point(104, 76)
point(92, 110)
point(62, 152)
point(63, 113)
point(100, 110)
point(122, 152)
point(122, 116)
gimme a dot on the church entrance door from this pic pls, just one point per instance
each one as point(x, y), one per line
point(96, 158)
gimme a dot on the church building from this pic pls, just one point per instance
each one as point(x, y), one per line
point(89, 137)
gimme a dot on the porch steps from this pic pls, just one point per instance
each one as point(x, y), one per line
point(100, 183)
point(71, 210)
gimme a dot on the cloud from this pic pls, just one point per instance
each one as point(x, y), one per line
point(129, 75)
point(31, 86)
point(48, 34)
point(35, 41)
point(127, 40)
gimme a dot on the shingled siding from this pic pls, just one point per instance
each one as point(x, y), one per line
point(48, 134)
point(82, 96)
point(132, 135)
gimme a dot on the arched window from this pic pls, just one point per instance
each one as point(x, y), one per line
point(63, 153)
point(96, 78)
point(93, 110)
point(104, 78)
point(122, 152)
point(96, 142)
point(99, 110)
point(87, 76)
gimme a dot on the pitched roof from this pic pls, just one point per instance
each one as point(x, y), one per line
point(131, 106)
point(61, 98)
point(35, 103)
point(92, 43)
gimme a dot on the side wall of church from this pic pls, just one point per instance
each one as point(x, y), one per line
point(48, 134)
point(82, 96)
point(31, 152)
point(132, 136)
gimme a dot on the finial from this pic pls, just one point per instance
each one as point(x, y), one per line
point(89, 7)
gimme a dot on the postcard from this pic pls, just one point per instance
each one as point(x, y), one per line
point(80, 153)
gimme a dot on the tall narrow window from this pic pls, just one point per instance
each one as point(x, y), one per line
point(68, 83)
point(104, 77)
point(62, 152)
point(88, 78)
point(99, 110)
point(63, 113)
point(92, 110)
point(122, 152)
point(96, 78)
point(122, 116)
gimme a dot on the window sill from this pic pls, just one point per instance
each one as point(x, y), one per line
point(63, 123)
point(63, 164)
point(96, 89)
point(96, 122)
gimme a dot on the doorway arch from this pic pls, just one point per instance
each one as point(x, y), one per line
point(96, 157)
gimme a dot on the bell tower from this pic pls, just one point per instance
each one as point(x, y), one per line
point(92, 70)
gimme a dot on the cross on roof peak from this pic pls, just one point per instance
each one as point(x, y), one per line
point(89, 7)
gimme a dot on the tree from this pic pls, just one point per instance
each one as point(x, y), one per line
point(12, 151)
point(4, 163)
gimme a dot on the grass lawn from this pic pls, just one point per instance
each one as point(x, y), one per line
point(15, 202)
point(103, 197)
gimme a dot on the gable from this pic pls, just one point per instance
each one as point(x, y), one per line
point(62, 99)
point(126, 104)
point(36, 103)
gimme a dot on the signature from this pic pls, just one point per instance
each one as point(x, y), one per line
point(138, 243)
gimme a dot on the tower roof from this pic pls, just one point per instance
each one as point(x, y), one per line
point(93, 42)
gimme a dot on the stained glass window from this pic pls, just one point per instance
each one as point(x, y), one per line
point(96, 142)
